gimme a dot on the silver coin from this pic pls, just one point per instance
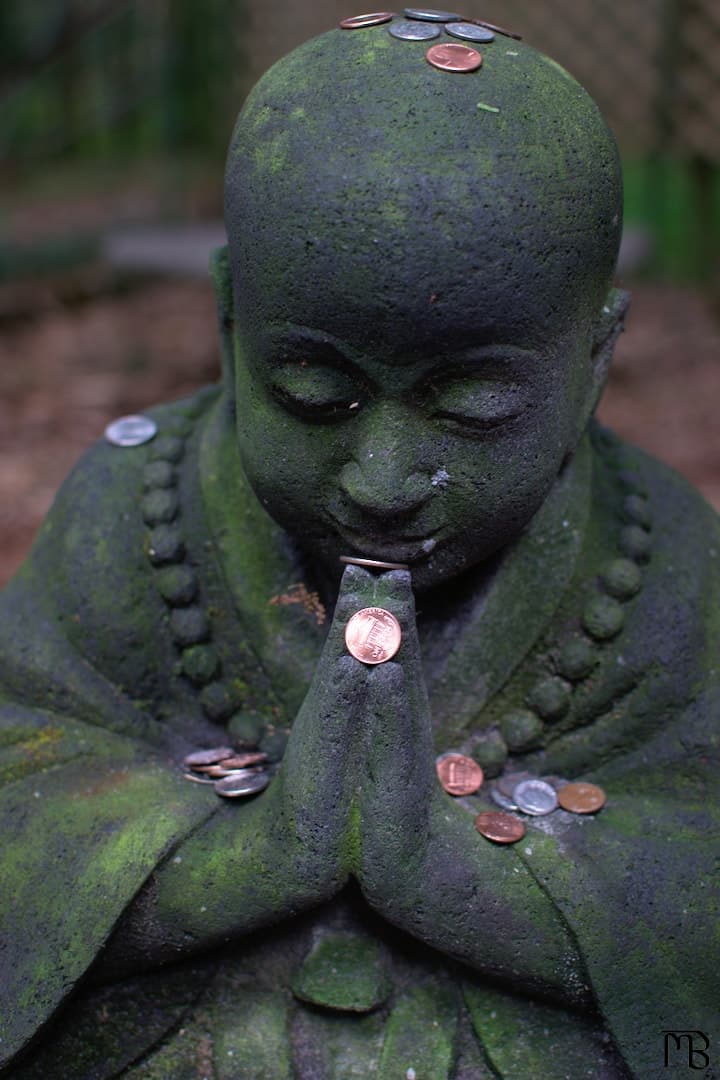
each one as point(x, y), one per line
point(413, 31)
point(469, 32)
point(535, 797)
point(131, 431)
point(431, 15)
point(507, 784)
point(208, 757)
point(502, 800)
point(243, 782)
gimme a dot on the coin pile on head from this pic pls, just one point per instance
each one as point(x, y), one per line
point(427, 24)
point(231, 774)
point(520, 792)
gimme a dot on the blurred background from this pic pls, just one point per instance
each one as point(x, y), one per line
point(114, 120)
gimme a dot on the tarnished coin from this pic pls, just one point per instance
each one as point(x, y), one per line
point(357, 22)
point(373, 635)
point(497, 29)
point(373, 564)
point(414, 31)
point(502, 828)
point(208, 757)
point(502, 800)
point(507, 784)
point(535, 797)
point(244, 761)
point(454, 57)
point(581, 798)
point(198, 779)
point(131, 431)
point(458, 774)
point(431, 15)
point(469, 31)
point(242, 782)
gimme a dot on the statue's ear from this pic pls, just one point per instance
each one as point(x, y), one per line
point(608, 328)
point(222, 280)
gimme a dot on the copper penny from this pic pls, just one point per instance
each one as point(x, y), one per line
point(207, 757)
point(497, 29)
point(581, 798)
point(375, 18)
point(373, 564)
point(454, 57)
point(373, 635)
point(502, 828)
point(244, 761)
point(458, 774)
point(243, 782)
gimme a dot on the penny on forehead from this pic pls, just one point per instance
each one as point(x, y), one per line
point(243, 782)
point(373, 635)
point(497, 29)
point(373, 564)
point(458, 774)
point(581, 798)
point(131, 431)
point(454, 57)
point(535, 797)
point(414, 31)
point(469, 32)
point(502, 828)
point(357, 22)
point(208, 757)
point(431, 15)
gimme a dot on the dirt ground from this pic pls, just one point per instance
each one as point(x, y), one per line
point(68, 370)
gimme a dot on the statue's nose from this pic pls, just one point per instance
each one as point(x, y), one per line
point(383, 478)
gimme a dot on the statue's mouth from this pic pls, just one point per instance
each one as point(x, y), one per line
point(387, 546)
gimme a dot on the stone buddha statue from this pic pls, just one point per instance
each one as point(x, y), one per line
point(416, 315)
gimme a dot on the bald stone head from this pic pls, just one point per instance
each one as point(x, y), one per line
point(420, 312)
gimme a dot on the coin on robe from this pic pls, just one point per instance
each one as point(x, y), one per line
point(208, 757)
point(454, 57)
point(502, 800)
point(502, 828)
point(535, 797)
point(242, 782)
point(507, 783)
point(373, 635)
point(459, 774)
point(431, 15)
point(358, 22)
point(406, 30)
point(131, 431)
point(581, 798)
point(373, 564)
point(469, 32)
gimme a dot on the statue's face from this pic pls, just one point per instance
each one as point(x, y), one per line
point(402, 427)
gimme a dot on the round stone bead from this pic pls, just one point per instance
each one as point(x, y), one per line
point(245, 729)
point(603, 618)
point(622, 578)
point(158, 474)
point(189, 626)
point(550, 698)
point(577, 658)
point(200, 663)
point(636, 510)
point(166, 448)
point(522, 729)
point(274, 743)
point(159, 507)
point(635, 543)
point(177, 584)
point(491, 753)
point(165, 545)
point(219, 700)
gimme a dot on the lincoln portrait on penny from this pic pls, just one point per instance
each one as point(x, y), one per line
point(475, 834)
